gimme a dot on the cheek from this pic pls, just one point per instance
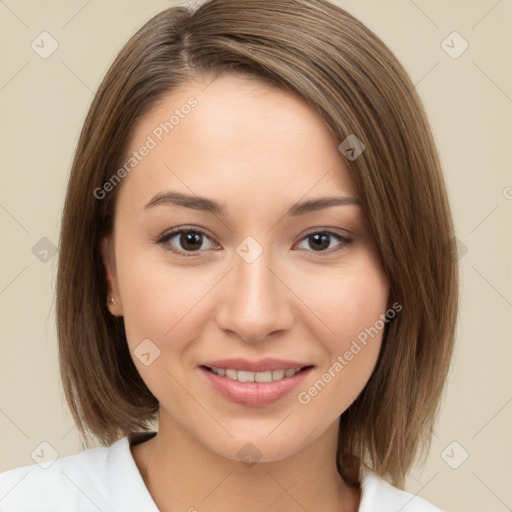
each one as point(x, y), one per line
point(354, 310)
point(350, 301)
point(161, 302)
point(158, 308)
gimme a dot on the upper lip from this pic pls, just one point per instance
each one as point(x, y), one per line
point(262, 365)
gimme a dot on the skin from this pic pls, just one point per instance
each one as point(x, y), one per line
point(257, 150)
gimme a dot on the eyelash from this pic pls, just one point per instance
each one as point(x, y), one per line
point(345, 241)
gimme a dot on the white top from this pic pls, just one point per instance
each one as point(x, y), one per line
point(107, 479)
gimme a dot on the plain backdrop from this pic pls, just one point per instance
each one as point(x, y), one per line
point(467, 93)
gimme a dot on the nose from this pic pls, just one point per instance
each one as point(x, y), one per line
point(255, 301)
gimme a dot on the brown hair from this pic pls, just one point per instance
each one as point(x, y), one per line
point(350, 77)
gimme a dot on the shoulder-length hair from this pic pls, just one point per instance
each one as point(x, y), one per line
point(350, 77)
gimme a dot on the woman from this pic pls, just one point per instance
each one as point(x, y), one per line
point(257, 254)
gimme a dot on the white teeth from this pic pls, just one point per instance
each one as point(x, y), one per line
point(263, 376)
point(278, 374)
point(230, 374)
point(244, 376)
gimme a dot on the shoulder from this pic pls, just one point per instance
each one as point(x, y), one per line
point(95, 479)
point(377, 495)
point(67, 481)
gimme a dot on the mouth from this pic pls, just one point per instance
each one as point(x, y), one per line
point(249, 376)
point(254, 384)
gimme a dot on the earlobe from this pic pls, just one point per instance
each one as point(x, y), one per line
point(113, 300)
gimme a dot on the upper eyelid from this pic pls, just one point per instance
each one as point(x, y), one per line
point(184, 229)
point(204, 232)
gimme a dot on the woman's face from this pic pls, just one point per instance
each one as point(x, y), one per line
point(253, 279)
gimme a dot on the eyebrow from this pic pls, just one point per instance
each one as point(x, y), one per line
point(208, 205)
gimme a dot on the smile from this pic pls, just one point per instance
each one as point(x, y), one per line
point(246, 376)
point(254, 389)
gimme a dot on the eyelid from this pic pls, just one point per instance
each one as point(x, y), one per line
point(326, 229)
point(344, 240)
point(334, 232)
point(183, 229)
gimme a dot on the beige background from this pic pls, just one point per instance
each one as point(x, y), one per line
point(469, 101)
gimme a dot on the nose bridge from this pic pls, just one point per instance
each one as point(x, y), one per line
point(256, 302)
point(254, 282)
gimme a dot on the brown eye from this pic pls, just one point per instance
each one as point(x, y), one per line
point(183, 240)
point(320, 241)
point(189, 242)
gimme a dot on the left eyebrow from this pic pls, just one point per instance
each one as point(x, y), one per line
point(211, 206)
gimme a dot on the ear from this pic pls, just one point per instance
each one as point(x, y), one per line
point(107, 253)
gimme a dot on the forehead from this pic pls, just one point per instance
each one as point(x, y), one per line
point(233, 136)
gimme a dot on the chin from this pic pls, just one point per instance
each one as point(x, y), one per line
point(264, 443)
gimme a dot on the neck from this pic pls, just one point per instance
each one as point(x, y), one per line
point(183, 474)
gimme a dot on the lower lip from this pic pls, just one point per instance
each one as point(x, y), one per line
point(254, 394)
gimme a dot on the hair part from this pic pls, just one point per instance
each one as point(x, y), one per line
point(350, 77)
